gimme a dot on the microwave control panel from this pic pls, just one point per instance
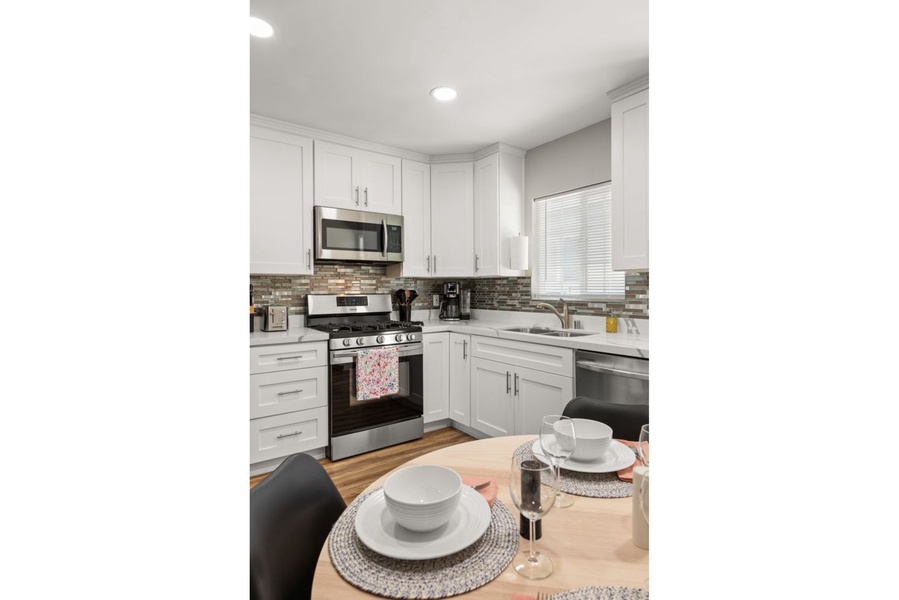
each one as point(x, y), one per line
point(394, 238)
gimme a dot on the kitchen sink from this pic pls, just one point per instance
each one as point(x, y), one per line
point(565, 333)
point(546, 331)
point(538, 330)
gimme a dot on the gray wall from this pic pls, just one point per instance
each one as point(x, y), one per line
point(575, 160)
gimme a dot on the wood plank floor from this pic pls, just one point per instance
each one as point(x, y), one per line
point(354, 474)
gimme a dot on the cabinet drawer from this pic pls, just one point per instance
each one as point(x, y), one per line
point(288, 391)
point(550, 359)
point(280, 357)
point(282, 435)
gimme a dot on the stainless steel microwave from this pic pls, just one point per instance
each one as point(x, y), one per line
point(355, 235)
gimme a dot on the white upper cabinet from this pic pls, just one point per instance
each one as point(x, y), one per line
point(280, 203)
point(416, 220)
point(357, 179)
point(630, 177)
point(498, 211)
point(452, 220)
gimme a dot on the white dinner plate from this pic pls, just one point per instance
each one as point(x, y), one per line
point(378, 530)
point(617, 457)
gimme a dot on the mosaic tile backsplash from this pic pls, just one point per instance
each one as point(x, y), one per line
point(499, 293)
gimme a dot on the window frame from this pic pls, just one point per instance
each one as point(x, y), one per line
point(603, 297)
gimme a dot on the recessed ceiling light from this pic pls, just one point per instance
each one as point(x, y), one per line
point(260, 28)
point(443, 93)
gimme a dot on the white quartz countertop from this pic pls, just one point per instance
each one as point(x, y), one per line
point(492, 325)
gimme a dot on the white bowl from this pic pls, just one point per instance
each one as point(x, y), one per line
point(422, 497)
point(593, 439)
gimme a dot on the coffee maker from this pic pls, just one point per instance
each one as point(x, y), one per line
point(450, 307)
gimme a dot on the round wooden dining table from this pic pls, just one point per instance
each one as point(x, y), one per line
point(589, 542)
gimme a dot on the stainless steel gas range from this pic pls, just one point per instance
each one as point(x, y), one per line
point(357, 325)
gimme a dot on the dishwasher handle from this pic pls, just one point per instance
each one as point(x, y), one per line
point(592, 366)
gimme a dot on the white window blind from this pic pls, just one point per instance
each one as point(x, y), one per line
point(573, 239)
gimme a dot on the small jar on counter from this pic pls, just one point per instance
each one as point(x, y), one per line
point(611, 323)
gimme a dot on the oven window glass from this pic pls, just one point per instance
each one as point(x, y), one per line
point(349, 415)
point(349, 235)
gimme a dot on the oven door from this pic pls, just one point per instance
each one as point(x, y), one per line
point(350, 415)
point(350, 235)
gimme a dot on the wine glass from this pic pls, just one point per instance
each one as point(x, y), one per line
point(643, 445)
point(533, 487)
point(557, 440)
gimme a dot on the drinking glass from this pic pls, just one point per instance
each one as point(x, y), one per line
point(533, 487)
point(643, 445)
point(557, 440)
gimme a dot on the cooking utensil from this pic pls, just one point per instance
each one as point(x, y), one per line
point(400, 296)
point(413, 296)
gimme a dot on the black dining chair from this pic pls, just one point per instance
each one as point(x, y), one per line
point(624, 419)
point(291, 514)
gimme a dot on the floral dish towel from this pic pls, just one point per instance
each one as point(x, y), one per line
point(377, 373)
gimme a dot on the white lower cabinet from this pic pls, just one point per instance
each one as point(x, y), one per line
point(514, 384)
point(288, 399)
point(460, 378)
point(491, 398)
point(436, 389)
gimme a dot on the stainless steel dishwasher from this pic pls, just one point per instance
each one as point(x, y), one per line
point(611, 378)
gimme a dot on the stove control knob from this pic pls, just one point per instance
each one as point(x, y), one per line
point(380, 339)
point(346, 342)
point(399, 337)
point(410, 337)
point(359, 341)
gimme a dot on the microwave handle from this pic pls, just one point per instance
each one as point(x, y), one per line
point(384, 233)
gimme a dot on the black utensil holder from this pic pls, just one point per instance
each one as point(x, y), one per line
point(405, 313)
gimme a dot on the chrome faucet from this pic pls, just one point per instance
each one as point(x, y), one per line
point(565, 316)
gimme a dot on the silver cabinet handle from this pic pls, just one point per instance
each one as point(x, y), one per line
point(428, 258)
point(357, 195)
point(309, 258)
point(516, 384)
point(464, 349)
point(290, 392)
point(476, 258)
point(435, 263)
point(284, 435)
point(592, 366)
point(508, 385)
point(289, 357)
point(366, 196)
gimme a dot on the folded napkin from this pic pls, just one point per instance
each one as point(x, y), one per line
point(489, 492)
point(627, 474)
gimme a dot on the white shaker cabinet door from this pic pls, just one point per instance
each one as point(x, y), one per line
point(436, 376)
point(452, 220)
point(416, 220)
point(630, 183)
point(280, 203)
point(491, 398)
point(538, 394)
point(460, 378)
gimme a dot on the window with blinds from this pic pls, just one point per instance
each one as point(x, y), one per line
point(573, 246)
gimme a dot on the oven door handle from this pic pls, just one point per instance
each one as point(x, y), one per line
point(592, 366)
point(341, 357)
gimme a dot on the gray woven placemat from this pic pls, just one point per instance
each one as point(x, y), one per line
point(466, 570)
point(591, 485)
point(603, 593)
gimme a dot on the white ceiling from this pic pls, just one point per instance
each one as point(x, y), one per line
point(527, 71)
